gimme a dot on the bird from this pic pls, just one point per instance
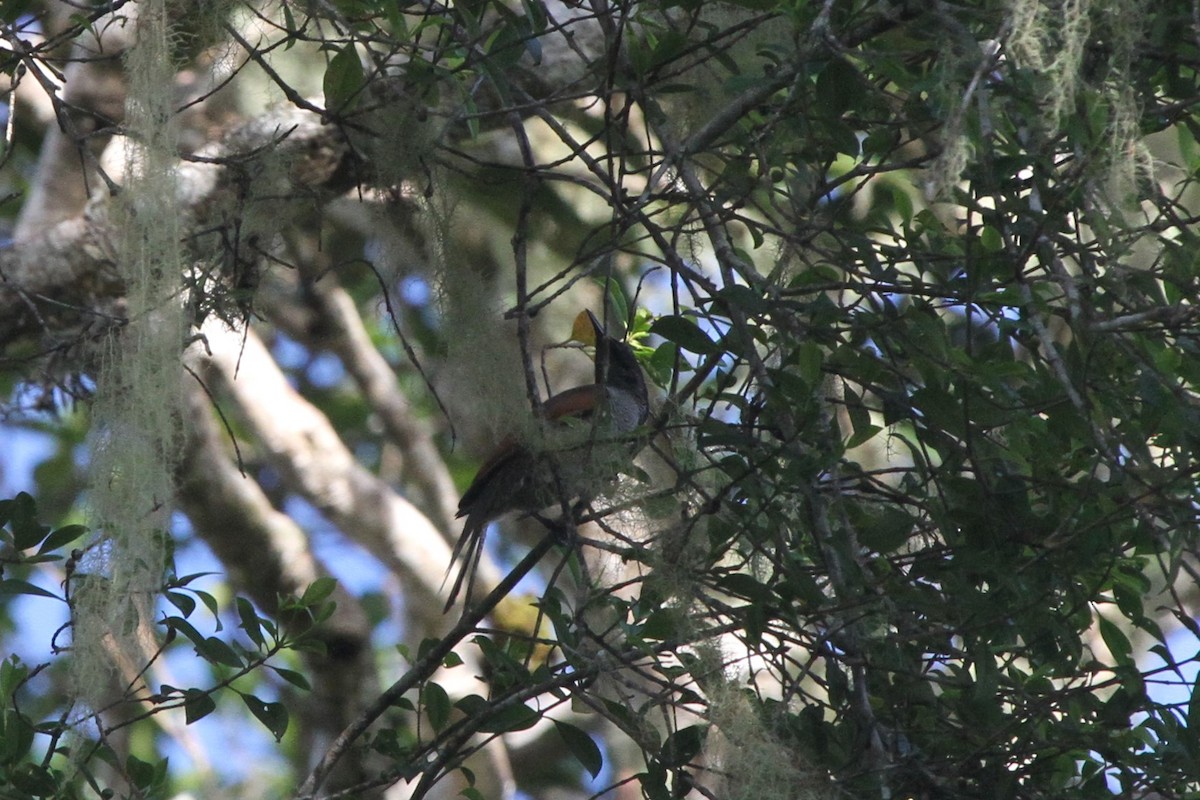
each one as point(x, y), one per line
point(583, 429)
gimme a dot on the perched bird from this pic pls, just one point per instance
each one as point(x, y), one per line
point(581, 447)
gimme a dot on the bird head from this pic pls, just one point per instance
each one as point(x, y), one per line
point(616, 366)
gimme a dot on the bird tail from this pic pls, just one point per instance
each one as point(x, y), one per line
point(468, 549)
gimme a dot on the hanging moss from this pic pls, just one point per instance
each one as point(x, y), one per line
point(1056, 41)
point(136, 413)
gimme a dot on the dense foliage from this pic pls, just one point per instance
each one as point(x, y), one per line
point(915, 515)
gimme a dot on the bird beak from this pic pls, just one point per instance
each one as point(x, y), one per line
point(597, 329)
point(586, 329)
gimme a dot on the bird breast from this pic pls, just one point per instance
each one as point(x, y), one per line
point(580, 456)
point(625, 412)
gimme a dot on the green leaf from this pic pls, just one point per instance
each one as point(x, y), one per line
point(437, 705)
point(860, 420)
point(16, 736)
point(682, 746)
point(507, 44)
point(618, 304)
point(990, 239)
point(250, 622)
point(22, 521)
point(197, 705)
point(218, 652)
point(343, 79)
point(184, 602)
point(179, 583)
point(518, 717)
point(663, 623)
point(743, 298)
point(272, 715)
point(211, 604)
point(13, 586)
point(33, 780)
point(662, 363)
point(582, 746)
point(61, 537)
point(716, 433)
point(1115, 640)
point(141, 773)
point(739, 584)
point(186, 628)
point(318, 591)
point(685, 333)
point(12, 674)
point(885, 530)
point(809, 358)
point(397, 25)
point(838, 85)
point(294, 678)
point(310, 644)
point(289, 24)
point(654, 783)
point(472, 705)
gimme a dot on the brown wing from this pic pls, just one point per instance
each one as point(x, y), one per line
point(508, 450)
point(579, 402)
point(502, 479)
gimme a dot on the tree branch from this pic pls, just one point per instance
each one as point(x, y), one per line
point(65, 280)
point(268, 556)
point(302, 444)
